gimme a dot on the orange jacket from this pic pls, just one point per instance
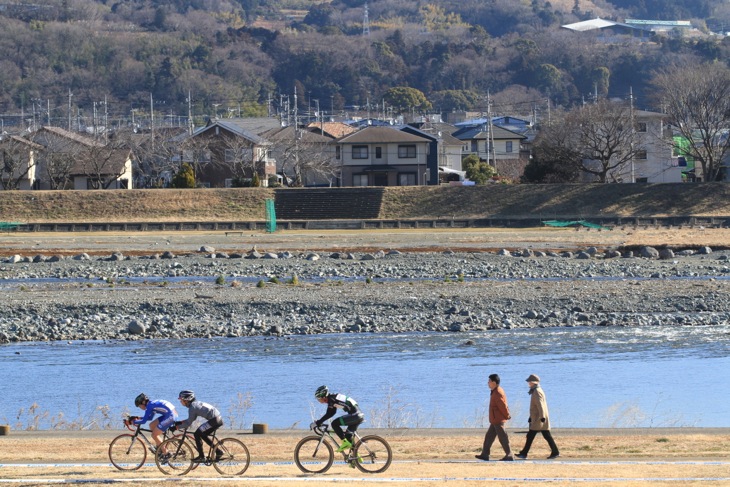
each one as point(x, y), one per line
point(498, 410)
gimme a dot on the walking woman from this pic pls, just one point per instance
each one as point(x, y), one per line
point(539, 419)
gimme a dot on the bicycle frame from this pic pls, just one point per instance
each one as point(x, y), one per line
point(139, 433)
point(324, 431)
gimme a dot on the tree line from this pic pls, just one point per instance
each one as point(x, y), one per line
point(212, 57)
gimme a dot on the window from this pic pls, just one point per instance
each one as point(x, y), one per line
point(508, 146)
point(642, 180)
point(359, 179)
point(641, 126)
point(406, 152)
point(641, 155)
point(337, 152)
point(407, 179)
point(378, 152)
point(360, 152)
point(230, 156)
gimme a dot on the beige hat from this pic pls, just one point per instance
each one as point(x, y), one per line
point(533, 378)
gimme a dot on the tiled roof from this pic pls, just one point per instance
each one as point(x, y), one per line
point(333, 129)
point(383, 135)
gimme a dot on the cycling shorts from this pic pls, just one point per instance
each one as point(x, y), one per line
point(166, 422)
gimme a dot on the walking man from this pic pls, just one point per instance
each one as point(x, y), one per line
point(498, 417)
point(539, 419)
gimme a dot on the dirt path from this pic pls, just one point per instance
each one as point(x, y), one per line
point(421, 458)
point(486, 239)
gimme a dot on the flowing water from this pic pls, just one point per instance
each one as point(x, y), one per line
point(593, 377)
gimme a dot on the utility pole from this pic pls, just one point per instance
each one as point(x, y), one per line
point(190, 114)
point(106, 121)
point(69, 109)
point(490, 132)
point(633, 131)
point(152, 120)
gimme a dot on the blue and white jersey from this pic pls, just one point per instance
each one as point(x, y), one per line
point(159, 406)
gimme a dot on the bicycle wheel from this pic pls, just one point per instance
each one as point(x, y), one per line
point(177, 459)
point(373, 454)
point(311, 456)
point(127, 452)
point(235, 459)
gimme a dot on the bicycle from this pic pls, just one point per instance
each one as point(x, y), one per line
point(179, 457)
point(315, 454)
point(129, 451)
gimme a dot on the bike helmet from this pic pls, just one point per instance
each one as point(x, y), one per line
point(186, 395)
point(321, 391)
point(141, 399)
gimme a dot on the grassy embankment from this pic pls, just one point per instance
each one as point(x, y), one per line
point(543, 201)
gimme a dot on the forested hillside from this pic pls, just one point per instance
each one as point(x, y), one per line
point(64, 59)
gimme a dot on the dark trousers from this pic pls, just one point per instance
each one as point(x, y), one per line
point(496, 431)
point(545, 434)
point(203, 433)
point(352, 421)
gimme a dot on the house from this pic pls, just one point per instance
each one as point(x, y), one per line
point(103, 168)
point(223, 154)
point(449, 148)
point(384, 156)
point(500, 147)
point(18, 166)
point(68, 160)
point(653, 162)
point(303, 157)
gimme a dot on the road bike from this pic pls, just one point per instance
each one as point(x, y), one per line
point(316, 453)
point(128, 451)
point(180, 451)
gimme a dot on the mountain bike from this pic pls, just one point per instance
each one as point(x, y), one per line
point(128, 451)
point(178, 460)
point(315, 454)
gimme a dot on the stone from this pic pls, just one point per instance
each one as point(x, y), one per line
point(649, 252)
point(666, 254)
point(207, 249)
point(136, 328)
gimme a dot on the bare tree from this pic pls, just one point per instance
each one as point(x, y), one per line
point(103, 164)
point(304, 157)
point(696, 99)
point(157, 157)
point(18, 162)
point(58, 157)
point(240, 156)
point(604, 135)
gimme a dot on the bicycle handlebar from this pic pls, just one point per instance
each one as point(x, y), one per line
point(321, 430)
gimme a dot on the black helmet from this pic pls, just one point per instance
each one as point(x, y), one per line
point(141, 399)
point(186, 395)
point(321, 391)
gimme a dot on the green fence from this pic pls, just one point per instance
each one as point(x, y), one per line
point(270, 216)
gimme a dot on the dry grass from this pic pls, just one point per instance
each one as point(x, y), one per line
point(246, 204)
point(612, 456)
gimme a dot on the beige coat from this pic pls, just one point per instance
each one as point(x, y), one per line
point(539, 416)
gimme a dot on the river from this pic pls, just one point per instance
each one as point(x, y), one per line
point(593, 377)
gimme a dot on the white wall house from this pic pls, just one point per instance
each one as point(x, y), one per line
point(654, 162)
point(383, 156)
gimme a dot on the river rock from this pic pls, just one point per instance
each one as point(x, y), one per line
point(136, 328)
point(649, 252)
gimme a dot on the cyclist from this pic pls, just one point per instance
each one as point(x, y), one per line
point(352, 417)
point(165, 409)
point(199, 409)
